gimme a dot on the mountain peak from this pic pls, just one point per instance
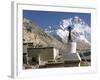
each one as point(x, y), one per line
point(81, 31)
point(77, 20)
point(63, 24)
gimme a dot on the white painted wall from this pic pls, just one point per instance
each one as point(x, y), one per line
point(40, 61)
point(55, 53)
point(71, 47)
point(25, 48)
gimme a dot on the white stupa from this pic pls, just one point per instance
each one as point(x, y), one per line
point(71, 57)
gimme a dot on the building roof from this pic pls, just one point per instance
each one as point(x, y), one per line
point(42, 48)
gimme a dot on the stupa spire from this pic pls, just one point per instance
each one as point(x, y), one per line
point(69, 36)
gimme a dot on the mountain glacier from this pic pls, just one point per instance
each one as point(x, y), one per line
point(80, 30)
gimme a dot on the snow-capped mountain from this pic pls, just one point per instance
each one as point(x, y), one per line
point(80, 30)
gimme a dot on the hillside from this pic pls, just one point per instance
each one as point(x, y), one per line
point(33, 33)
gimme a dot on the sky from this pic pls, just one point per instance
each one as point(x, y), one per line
point(48, 18)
